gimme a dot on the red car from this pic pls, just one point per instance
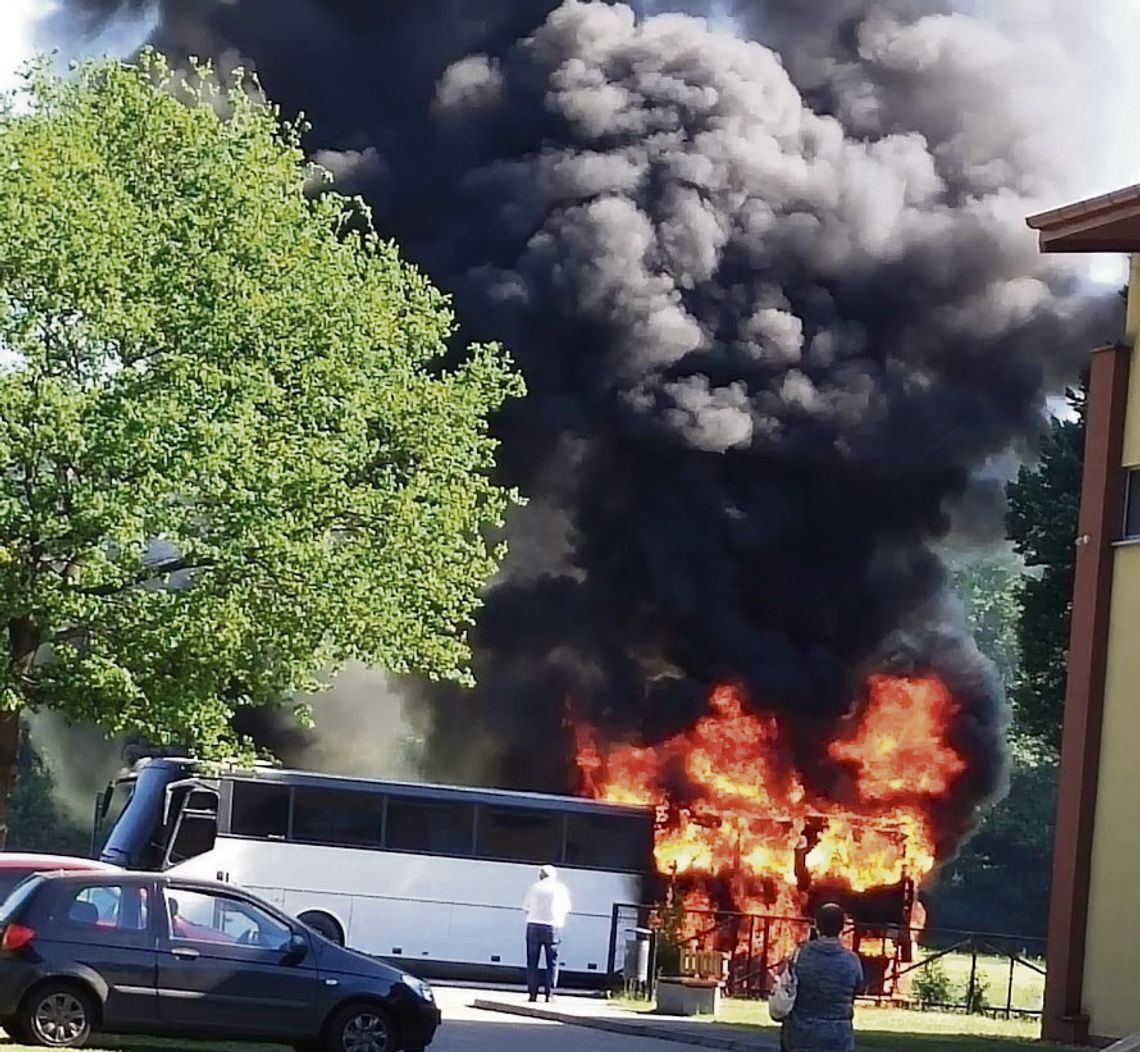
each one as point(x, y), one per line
point(15, 866)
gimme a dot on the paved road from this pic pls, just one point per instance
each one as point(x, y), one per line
point(467, 1029)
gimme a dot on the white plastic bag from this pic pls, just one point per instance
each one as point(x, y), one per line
point(782, 999)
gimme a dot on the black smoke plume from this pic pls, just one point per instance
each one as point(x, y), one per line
point(765, 268)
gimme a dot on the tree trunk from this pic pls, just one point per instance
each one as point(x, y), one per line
point(23, 642)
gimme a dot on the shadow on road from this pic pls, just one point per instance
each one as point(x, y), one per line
point(470, 1034)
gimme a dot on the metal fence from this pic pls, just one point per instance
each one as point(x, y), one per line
point(928, 969)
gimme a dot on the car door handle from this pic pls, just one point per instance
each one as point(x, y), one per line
point(185, 953)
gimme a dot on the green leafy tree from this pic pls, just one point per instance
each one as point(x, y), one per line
point(1043, 507)
point(230, 454)
point(989, 587)
point(1000, 881)
point(37, 822)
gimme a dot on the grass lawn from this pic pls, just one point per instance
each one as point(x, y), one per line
point(904, 1031)
point(897, 1030)
point(993, 977)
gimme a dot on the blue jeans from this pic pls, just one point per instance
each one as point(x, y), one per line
point(541, 938)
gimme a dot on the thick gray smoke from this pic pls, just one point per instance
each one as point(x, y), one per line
point(79, 758)
point(768, 277)
point(364, 726)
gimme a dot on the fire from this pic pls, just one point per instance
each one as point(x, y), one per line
point(899, 749)
point(738, 828)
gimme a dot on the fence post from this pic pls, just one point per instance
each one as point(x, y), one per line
point(1009, 989)
point(971, 989)
point(749, 965)
point(765, 945)
point(652, 992)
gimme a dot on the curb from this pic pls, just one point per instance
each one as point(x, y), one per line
point(630, 1027)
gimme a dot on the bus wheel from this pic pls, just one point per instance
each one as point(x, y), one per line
point(323, 925)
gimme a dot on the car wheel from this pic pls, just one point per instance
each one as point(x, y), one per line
point(362, 1028)
point(57, 1016)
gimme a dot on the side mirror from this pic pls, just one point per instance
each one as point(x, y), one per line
point(297, 950)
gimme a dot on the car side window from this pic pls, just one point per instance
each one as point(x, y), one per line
point(100, 911)
point(198, 916)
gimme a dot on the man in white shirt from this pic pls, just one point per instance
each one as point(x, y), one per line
point(547, 905)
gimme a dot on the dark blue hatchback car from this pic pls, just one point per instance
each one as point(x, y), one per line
point(138, 953)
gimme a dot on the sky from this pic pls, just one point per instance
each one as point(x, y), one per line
point(23, 34)
point(1102, 36)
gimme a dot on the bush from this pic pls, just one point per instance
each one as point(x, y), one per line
point(931, 985)
point(671, 938)
point(977, 986)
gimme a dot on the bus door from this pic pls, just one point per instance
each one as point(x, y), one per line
point(192, 821)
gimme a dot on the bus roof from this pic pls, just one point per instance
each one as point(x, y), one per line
point(428, 791)
point(416, 790)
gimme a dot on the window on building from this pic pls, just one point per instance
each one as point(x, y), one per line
point(436, 828)
point(620, 842)
point(260, 809)
point(338, 816)
point(519, 835)
point(1132, 507)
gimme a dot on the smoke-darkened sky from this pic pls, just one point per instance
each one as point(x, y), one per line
point(768, 277)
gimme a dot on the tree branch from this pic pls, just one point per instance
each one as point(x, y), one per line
point(145, 576)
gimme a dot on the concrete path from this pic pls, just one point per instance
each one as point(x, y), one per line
point(602, 1016)
point(469, 1029)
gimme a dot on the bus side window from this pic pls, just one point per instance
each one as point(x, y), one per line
point(609, 842)
point(352, 818)
point(260, 809)
point(514, 834)
point(435, 828)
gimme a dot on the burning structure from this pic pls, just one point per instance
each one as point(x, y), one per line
point(763, 264)
point(738, 829)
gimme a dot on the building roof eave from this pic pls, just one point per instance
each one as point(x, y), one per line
point(1108, 223)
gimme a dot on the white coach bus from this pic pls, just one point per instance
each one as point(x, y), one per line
point(430, 876)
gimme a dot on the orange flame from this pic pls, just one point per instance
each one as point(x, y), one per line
point(899, 749)
point(737, 825)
